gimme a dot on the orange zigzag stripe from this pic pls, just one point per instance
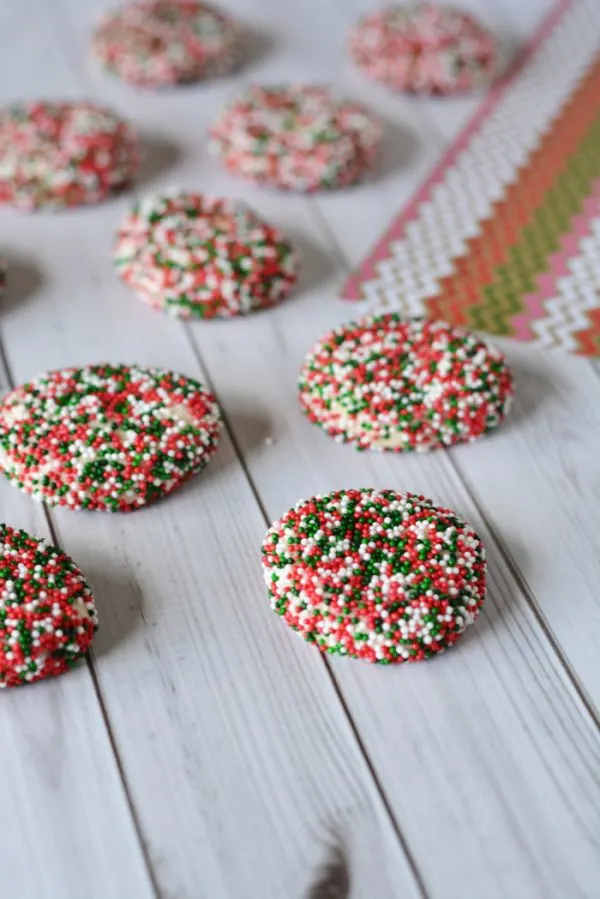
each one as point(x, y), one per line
point(462, 290)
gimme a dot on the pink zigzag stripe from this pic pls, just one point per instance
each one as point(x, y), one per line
point(557, 266)
point(352, 288)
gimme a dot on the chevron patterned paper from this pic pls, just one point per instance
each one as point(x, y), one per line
point(504, 236)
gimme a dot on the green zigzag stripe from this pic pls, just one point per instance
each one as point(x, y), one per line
point(502, 298)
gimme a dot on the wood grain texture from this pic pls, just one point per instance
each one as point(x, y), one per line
point(253, 768)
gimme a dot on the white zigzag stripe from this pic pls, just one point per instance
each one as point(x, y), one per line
point(577, 293)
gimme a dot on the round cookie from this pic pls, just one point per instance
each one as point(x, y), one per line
point(423, 48)
point(189, 254)
point(165, 42)
point(388, 383)
point(376, 575)
point(63, 154)
point(297, 137)
point(109, 437)
point(47, 612)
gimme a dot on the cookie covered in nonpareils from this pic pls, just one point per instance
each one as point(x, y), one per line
point(165, 42)
point(375, 575)
point(296, 137)
point(55, 155)
point(108, 437)
point(193, 255)
point(47, 612)
point(388, 383)
point(423, 48)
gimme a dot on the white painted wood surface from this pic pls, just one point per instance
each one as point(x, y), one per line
point(206, 752)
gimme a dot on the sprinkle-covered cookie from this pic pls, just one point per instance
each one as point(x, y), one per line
point(109, 437)
point(47, 612)
point(165, 42)
point(375, 575)
point(424, 48)
point(63, 154)
point(388, 383)
point(297, 138)
point(194, 255)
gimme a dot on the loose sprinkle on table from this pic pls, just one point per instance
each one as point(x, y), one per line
point(47, 612)
point(297, 137)
point(108, 437)
point(165, 42)
point(54, 155)
point(423, 48)
point(376, 575)
point(388, 383)
point(189, 254)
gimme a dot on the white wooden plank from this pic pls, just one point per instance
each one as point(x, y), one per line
point(66, 817)
point(240, 762)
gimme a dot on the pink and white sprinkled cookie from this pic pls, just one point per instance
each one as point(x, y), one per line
point(297, 137)
point(166, 42)
point(107, 437)
point(189, 254)
point(47, 612)
point(423, 48)
point(375, 575)
point(63, 154)
point(388, 383)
